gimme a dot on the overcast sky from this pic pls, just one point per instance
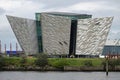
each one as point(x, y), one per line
point(28, 8)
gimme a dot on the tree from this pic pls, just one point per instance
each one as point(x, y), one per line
point(23, 61)
point(88, 63)
point(41, 60)
point(2, 62)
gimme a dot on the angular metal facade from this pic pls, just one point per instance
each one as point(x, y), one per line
point(61, 34)
point(55, 34)
point(25, 32)
point(92, 35)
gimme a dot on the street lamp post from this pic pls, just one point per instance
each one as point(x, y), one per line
point(107, 66)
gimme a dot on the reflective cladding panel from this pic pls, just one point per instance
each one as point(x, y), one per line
point(92, 35)
point(55, 34)
point(25, 32)
point(72, 49)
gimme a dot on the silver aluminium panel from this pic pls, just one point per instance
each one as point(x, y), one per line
point(55, 34)
point(92, 35)
point(25, 32)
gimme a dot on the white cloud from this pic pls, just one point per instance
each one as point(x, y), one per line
point(21, 7)
point(10, 4)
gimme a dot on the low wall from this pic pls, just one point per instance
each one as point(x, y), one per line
point(74, 68)
point(92, 68)
point(66, 68)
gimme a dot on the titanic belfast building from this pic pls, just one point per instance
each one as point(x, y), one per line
point(58, 33)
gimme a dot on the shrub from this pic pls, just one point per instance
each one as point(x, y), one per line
point(41, 60)
point(88, 63)
point(60, 63)
point(118, 61)
point(2, 63)
point(14, 61)
point(23, 62)
point(112, 63)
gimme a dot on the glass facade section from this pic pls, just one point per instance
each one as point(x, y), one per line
point(39, 33)
point(111, 50)
point(74, 17)
point(73, 34)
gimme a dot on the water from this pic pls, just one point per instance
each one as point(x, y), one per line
point(32, 75)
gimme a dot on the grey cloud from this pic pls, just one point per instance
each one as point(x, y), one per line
point(56, 4)
point(2, 11)
point(59, 3)
point(113, 1)
point(113, 35)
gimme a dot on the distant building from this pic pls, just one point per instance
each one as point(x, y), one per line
point(57, 33)
point(112, 47)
